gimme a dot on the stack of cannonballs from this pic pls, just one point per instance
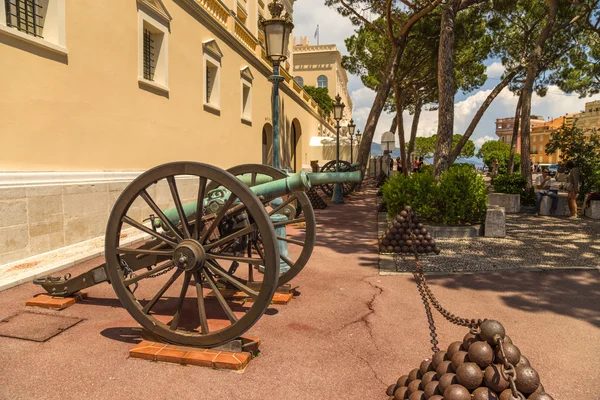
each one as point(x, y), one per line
point(471, 370)
point(398, 238)
point(315, 200)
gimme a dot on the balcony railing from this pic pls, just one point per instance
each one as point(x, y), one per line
point(217, 9)
point(244, 36)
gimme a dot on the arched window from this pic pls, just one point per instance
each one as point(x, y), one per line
point(299, 80)
point(322, 81)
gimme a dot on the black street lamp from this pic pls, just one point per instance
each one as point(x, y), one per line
point(277, 37)
point(351, 128)
point(338, 112)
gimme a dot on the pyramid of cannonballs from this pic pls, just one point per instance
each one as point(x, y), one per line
point(473, 369)
point(315, 200)
point(405, 232)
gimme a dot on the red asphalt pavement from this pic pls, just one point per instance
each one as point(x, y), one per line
point(348, 335)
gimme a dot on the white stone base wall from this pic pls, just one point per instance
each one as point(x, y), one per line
point(40, 212)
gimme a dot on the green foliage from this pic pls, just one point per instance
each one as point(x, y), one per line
point(583, 151)
point(497, 150)
point(582, 74)
point(514, 184)
point(425, 146)
point(321, 96)
point(458, 198)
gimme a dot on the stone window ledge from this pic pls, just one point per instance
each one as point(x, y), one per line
point(39, 42)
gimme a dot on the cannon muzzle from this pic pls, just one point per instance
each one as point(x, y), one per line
point(322, 178)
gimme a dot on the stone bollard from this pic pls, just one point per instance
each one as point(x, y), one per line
point(495, 222)
point(562, 207)
point(593, 210)
point(510, 202)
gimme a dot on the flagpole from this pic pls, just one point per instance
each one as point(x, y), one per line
point(318, 34)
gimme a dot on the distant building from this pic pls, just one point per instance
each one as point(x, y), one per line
point(589, 119)
point(505, 126)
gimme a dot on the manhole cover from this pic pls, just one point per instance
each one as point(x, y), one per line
point(37, 327)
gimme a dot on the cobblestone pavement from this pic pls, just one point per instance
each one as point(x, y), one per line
point(530, 242)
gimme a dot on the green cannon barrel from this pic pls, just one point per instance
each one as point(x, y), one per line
point(322, 178)
point(259, 180)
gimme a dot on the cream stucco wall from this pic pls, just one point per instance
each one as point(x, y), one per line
point(86, 110)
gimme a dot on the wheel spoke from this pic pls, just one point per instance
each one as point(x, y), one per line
point(219, 217)
point(160, 214)
point(149, 231)
point(293, 241)
point(289, 221)
point(253, 179)
point(287, 261)
point(178, 206)
point(126, 250)
point(146, 274)
point(285, 203)
point(220, 271)
point(199, 206)
point(184, 287)
point(201, 306)
point(231, 237)
point(258, 250)
point(162, 291)
point(220, 297)
point(257, 261)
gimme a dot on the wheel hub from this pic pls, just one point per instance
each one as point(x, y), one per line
point(189, 256)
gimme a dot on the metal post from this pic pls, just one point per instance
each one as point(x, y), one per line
point(351, 147)
point(275, 79)
point(338, 196)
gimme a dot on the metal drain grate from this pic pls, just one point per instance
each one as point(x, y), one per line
point(36, 327)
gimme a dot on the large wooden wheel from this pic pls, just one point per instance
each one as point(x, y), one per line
point(177, 284)
point(345, 166)
point(300, 242)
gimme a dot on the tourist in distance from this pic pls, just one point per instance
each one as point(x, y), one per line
point(572, 187)
point(543, 186)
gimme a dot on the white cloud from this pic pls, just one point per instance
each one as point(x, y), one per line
point(480, 141)
point(494, 70)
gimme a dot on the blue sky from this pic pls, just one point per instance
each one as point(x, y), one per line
point(334, 29)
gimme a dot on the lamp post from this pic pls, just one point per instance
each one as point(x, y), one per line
point(351, 128)
point(277, 36)
point(338, 111)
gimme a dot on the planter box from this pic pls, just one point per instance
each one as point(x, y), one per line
point(510, 202)
point(562, 207)
point(495, 222)
point(593, 210)
point(439, 231)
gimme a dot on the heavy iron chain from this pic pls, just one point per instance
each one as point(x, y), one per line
point(429, 299)
point(510, 373)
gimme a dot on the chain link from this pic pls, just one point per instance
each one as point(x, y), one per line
point(510, 373)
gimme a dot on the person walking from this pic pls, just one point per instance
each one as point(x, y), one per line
point(572, 187)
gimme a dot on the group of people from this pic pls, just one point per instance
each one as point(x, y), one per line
point(543, 187)
point(416, 167)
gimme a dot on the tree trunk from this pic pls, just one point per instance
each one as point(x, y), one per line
point(394, 123)
point(381, 96)
point(482, 109)
point(515, 136)
point(532, 73)
point(413, 133)
point(400, 123)
point(446, 89)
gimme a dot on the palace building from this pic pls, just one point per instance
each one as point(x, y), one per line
point(94, 93)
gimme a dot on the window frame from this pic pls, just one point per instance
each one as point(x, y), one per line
point(160, 79)
point(246, 111)
point(53, 27)
point(213, 103)
point(299, 80)
point(326, 82)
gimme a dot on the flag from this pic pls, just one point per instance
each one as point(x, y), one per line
point(317, 32)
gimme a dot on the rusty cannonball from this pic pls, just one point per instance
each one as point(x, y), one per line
point(402, 381)
point(403, 214)
point(457, 392)
point(401, 393)
point(459, 358)
point(405, 249)
point(470, 338)
point(385, 242)
point(469, 375)
point(491, 331)
point(528, 379)
point(494, 378)
point(405, 225)
point(437, 358)
point(436, 250)
point(397, 237)
point(393, 230)
point(414, 374)
point(513, 354)
point(420, 249)
point(397, 249)
point(414, 386)
point(483, 393)
point(428, 249)
point(428, 377)
point(507, 395)
point(420, 236)
point(540, 396)
point(540, 389)
point(523, 362)
point(436, 397)
point(431, 389)
point(446, 381)
point(409, 242)
point(507, 339)
point(453, 348)
point(391, 390)
point(428, 236)
point(408, 208)
point(405, 237)
point(444, 367)
point(481, 353)
point(425, 366)
point(394, 243)
point(399, 218)
point(390, 249)
point(418, 395)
